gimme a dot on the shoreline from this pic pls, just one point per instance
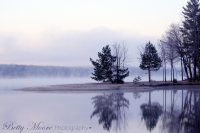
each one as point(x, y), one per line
point(126, 87)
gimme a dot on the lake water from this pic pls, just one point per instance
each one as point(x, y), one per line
point(165, 110)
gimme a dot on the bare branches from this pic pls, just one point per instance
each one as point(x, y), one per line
point(121, 53)
point(171, 46)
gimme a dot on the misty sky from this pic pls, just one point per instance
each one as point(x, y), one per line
point(69, 32)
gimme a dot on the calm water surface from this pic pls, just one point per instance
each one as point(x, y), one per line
point(163, 111)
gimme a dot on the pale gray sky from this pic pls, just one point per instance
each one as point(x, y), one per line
point(69, 32)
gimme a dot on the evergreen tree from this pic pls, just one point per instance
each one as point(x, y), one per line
point(103, 67)
point(190, 32)
point(120, 74)
point(150, 60)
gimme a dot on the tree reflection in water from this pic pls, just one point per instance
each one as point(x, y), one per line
point(137, 95)
point(150, 113)
point(186, 119)
point(183, 117)
point(109, 108)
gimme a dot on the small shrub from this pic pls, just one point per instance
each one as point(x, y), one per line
point(175, 80)
point(137, 79)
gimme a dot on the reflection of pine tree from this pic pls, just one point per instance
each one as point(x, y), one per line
point(120, 104)
point(150, 113)
point(110, 107)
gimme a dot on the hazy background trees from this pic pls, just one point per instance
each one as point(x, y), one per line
point(26, 71)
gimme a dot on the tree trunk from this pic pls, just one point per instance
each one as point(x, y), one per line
point(194, 69)
point(185, 67)
point(198, 54)
point(171, 70)
point(186, 71)
point(182, 68)
point(117, 73)
point(111, 80)
point(199, 70)
point(173, 73)
point(165, 70)
point(163, 73)
point(149, 74)
point(190, 70)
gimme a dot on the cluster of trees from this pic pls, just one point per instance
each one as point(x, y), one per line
point(111, 66)
point(181, 43)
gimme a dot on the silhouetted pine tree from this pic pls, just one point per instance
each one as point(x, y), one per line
point(190, 32)
point(103, 67)
point(120, 74)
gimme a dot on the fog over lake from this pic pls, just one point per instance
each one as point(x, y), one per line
point(61, 112)
point(19, 76)
point(64, 42)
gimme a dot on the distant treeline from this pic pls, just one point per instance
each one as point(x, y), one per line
point(25, 71)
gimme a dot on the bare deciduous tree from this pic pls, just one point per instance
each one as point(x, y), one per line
point(171, 43)
point(162, 54)
point(120, 51)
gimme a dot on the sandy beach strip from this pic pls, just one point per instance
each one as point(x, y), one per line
point(128, 86)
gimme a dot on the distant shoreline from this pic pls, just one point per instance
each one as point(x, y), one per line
point(126, 87)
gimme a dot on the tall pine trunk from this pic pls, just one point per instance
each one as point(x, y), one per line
point(198, 65)
point(165, 71)
point(173, 73)
point(190, 69)
point(163, 74)
point(182, 68)
point(194, 69)
point(149, 74)
point(185, 67)
point(171, 69)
